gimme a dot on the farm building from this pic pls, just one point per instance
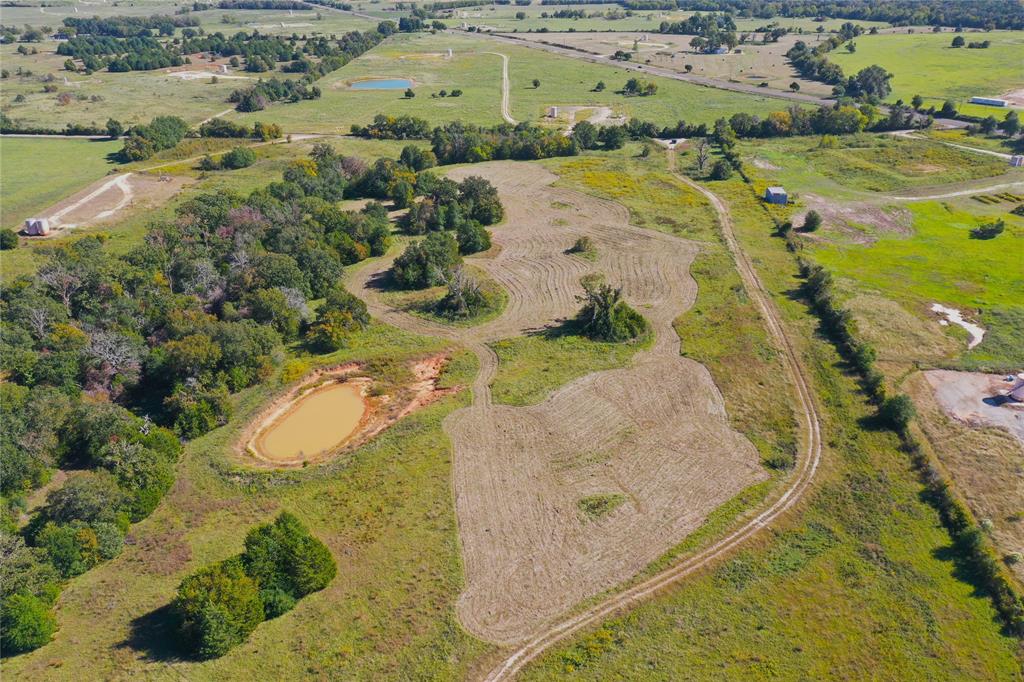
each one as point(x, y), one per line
point(1016, 393)
point(776, 195)
point(1017, 161)
point(989, 101)
point(552, 112)
point(37, 227)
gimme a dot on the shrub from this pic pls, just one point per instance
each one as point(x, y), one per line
point(217, 608)
point(426, 263)
point(988, 230)
point(605, 316)
point(8, 239)
point(27, 623)
point(721, 170)
point(284, 556)
point(472, 237)
point(812, 221)
point(897, 412)
point(239, 157)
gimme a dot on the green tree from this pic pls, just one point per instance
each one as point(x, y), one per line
point(916, 101)
point(409, 94)
point(217, 608)
point(958, 41)
point(586, 135)
point(472, 237)
point(284, 556)
point(427, 262)
point(604, 315)
point(27, 623)
point(721, 170)
point(897, 412)
point(600, 87)
point(1011, 124)
point(812, 221)
point(115, 128)
point(536, 83)
point(339, 317)
point(239, 157)
point(612, 137)
point(8, 239)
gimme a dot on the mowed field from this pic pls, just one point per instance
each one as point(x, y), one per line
point(862, 580)
point(925, 64)
point(35, 173)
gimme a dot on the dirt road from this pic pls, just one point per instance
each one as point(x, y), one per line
point(506, 112)
point(802, 477)
point(654, 434)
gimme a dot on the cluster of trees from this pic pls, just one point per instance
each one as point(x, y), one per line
point(711, 31)
point(350, 46)
point(127, 27)
point(163, 132)
point(446, 207)
point(9, 125)
point(461, 143)
point(218, 607)
point(588, 136)
point(870, 83)
point(394, 128)
point(959, 41)
point(258, 97)
point(219, 127)
point(239, 157)
point(639, 87)
point(604, 315)
point(120, 54)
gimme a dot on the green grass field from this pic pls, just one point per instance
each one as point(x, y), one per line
point(925, 64)
point(36, 173)
point(858, 164)
point(861, 581)
point(423, 58)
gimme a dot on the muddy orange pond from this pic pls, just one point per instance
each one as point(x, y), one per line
point(317, 422)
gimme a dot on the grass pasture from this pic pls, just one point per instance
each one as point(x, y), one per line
point(925, 64)
point(866, 163)
point(37, 173)
point(476, 70)
point(861, 580)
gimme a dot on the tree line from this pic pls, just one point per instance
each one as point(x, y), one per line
point(110, 361)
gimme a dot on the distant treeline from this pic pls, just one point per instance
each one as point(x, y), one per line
point(126, 27)
point(350, 46)
point(986, 14)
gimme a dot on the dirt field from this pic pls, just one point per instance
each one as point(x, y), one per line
point(655, 433)
point(106, 199)
point(981, 444)
point(855, 222)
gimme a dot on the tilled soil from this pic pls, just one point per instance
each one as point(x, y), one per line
point(655, 432)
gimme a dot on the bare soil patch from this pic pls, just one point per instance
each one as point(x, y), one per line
point(765, 165)
point(980, 444)
point(380, 411)
point(850, 220)
point(655, 434)
point(107, 199)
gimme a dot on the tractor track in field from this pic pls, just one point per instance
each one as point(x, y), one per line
point(806, 468)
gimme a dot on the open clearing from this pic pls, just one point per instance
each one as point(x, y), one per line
point(36, 173)
point(105, 200)
point(655, 432)
point(925, 64)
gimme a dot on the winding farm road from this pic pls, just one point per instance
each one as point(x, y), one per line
point(806, 469)
point(506, 112)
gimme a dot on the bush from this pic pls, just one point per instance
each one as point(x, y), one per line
point(8, 239)
point(721, 170)
point(426, 263)
point(988, 230)
point(897, 412)
point(284, 556)
point(812, 221)
point(472, 237)
point(217, 608)
point(604, 316)
point(27, 623)
point(239, 157)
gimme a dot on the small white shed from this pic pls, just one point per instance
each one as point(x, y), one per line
point(37, 227)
